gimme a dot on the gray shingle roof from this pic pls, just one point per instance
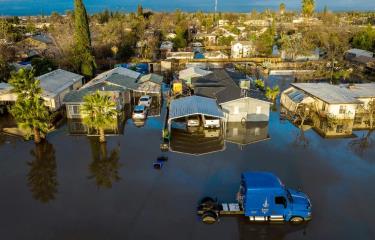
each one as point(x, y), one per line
point(123, 81)
point(194, 105)
point(223, 85)
point(328, 93)
point(78, 95)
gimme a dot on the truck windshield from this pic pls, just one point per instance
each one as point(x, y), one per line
point(289, 195)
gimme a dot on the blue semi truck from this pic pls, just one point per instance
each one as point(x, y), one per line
point(262, 197)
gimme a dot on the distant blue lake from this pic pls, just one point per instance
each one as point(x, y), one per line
point(37, 7)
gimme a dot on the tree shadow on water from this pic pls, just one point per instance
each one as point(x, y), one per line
point(42, 176)
point(104, 168)
point(362, 144)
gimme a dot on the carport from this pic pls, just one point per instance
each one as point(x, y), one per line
point(193, 105)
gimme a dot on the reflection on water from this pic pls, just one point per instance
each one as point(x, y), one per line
point(104, 168)
point(42, 176)
point(246, 133)
point(361, 144)
point(269, 231)
point(196, 141)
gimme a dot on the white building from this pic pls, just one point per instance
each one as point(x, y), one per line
point(55, 85)
point(242, 49)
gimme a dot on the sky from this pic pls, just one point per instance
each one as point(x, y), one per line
point(35, 7)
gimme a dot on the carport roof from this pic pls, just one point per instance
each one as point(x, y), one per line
point(193, 105)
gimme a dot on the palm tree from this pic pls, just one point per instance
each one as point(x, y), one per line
point(99, 113)
point(272, 93)
point(29, 110)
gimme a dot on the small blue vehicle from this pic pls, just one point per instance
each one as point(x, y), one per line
point(261, 198)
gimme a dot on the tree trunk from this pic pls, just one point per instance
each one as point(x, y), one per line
point(37, 138)
point(101, 135)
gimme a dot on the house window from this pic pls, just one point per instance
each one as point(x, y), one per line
point(259, 110)
point(324, 106)
point(339, 128)
point(235, 132)
point(342, 110)
point(75, 110)
point(257, 131)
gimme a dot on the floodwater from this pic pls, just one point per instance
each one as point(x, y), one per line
point(74, 188)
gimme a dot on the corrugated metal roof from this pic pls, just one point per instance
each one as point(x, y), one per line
point(58, 80)
point(363, 90)
point(152, 77)
point(328, 93)
point(194, 105)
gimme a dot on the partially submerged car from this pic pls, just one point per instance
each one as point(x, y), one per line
point(139, 112)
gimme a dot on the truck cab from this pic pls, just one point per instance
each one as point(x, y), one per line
point(263, 197)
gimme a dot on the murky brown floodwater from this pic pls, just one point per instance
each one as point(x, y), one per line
point(73, 188)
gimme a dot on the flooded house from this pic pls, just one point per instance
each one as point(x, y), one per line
point(125, 88)
point(335, 110)
point(239, 104)
point(198, 139)
point(55, 85)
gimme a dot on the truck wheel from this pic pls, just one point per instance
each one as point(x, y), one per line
point(209, 217)
point(296, 220)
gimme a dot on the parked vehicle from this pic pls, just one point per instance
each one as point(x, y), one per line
point(193, 121)
point(211, 122)
point(145, 101)
point(262, 197)
point(139, 112)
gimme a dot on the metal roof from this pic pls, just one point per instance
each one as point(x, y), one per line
point(363, 90)
point(328, 93)
point(194, 105)
point(152, 77)
point(256, 180)
point(56, 81)
point(188, 73)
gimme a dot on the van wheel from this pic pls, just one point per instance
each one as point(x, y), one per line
point(296, 220)
point(209, 217)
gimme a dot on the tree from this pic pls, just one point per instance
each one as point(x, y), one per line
point(42, 65)
point(308, 7)
point(104, 168)
point(29, 110)
point(272, 93)
point(5, 67)
point(82, 49)
point(282, 8)
point(140, 10)
point(259, 83)
point(99, 113)
point(42, 177)
point(365, 39)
